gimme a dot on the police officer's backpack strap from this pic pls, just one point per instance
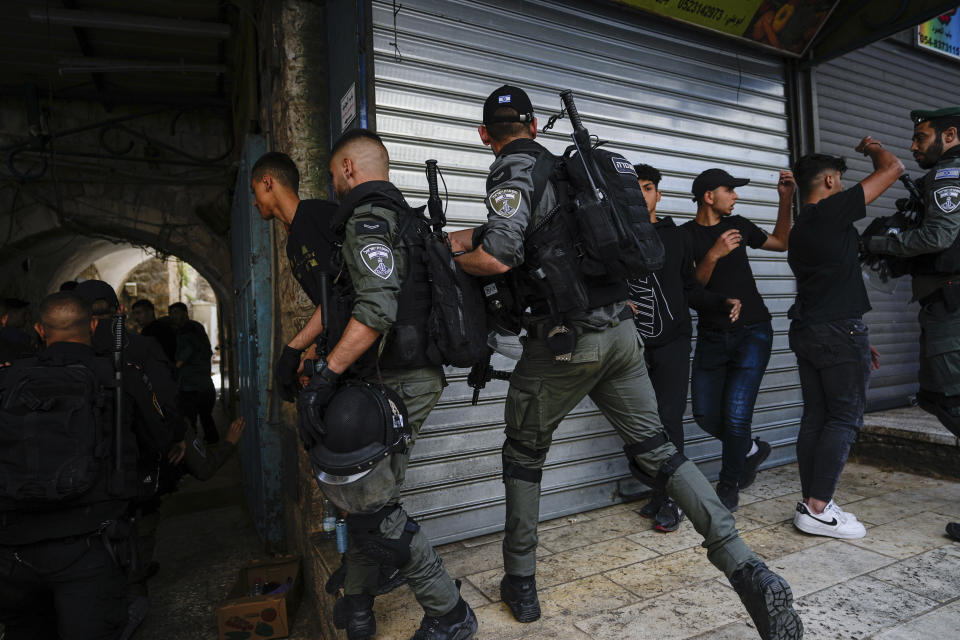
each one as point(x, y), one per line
point(541, 174)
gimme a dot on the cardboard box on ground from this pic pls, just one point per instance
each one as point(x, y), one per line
point(255, 617)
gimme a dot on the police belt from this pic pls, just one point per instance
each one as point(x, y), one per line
point(541, 331)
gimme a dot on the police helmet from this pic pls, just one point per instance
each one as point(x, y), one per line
point(364, 426)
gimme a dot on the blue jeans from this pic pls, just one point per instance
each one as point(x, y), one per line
point(834, 362)
point(727, 369)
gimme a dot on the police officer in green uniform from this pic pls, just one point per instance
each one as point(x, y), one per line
point(933, 249)
point(377, 329)
point(606, 363)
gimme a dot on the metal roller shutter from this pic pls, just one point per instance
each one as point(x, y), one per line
point(871, 92)
point(682, 101)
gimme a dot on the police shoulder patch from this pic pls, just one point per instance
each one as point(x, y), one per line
point(505, 202)
point(372, 227)
point(622, 165)
point(378, 258)
point(944, 174)
point(947, 198)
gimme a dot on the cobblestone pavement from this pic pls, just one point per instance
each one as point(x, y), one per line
point(607, 575)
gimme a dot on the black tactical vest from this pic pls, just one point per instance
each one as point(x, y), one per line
point(946, 262)
point(405, 345)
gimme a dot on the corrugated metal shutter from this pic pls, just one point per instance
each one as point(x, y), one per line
point(871, 92)
point(682, 101)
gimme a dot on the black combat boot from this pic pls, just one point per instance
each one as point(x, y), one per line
point(459, 624)
point(768, 600)
point(355, 614)
point(520, 594)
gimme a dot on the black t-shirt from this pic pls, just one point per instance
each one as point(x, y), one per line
point(731, 276)
point(310, 245)
point(823, 256)
point(164, 333)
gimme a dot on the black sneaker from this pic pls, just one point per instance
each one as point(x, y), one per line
point(355, 614)
point(459, 624)
point(953, 530)
point(652, 508)
point(729, 495)
point(752, 463)
point(669, 517)
point(769, 601)
point(520, 594)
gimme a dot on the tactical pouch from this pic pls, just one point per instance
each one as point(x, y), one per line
point(119, 538)
point(554, 267)
point(951, 296)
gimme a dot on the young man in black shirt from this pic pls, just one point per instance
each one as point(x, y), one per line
point(827, 333)
point(660, 302)
point(163, 331)
point(275, 181)
point(730, 358)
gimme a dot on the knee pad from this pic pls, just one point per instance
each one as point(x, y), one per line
point(365, 532)
point(513, 469)
point(667, 469)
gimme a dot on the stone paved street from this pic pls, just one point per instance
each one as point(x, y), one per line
point(606, 575)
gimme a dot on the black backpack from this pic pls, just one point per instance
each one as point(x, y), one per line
point(615, 233)
point(56, 427)
point(458, 317)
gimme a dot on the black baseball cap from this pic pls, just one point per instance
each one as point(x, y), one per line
point(713, 178)
point(93, 290)
point(508, 96)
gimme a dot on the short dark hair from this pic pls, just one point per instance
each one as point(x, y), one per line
point(354, 134)
point(177, 305)
point(940, 125)
point(807, 169)
point(501, 131)
point(646, 172)
point(69, 285)
point(280, 167)
point(65, 311)
point(142, 303)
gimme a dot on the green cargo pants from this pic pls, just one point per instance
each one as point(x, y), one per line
point(608, 366)
point(939, 349)
point(432, 586)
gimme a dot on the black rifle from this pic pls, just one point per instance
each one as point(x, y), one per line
point(116, 478)
point(909, 215)
point(482, 373)
point(435, 208)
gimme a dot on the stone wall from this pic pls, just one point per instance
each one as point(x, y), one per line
point(295, 122)
point(145, 176)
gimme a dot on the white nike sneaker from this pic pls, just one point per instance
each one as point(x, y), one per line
point(833, 506)
point(832, 522)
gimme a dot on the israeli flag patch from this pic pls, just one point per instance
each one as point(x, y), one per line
point(945, 174)
point(503, 99)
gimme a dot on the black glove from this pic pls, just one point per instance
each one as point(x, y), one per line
point(287, 379)
point(312, 404)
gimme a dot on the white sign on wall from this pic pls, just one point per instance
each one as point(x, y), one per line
point(348, 107)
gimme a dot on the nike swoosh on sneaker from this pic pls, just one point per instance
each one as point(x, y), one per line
point(832, 523)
